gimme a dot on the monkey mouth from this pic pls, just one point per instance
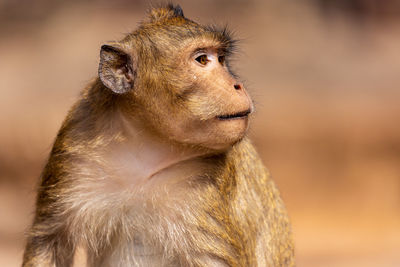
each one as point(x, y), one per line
point(238, 115)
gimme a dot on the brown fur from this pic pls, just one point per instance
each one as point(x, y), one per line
point(144, 172)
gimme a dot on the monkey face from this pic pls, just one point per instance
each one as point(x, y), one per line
point(217, 106)
point(179, 80)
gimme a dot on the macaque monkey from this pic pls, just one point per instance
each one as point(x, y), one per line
point(152, 166)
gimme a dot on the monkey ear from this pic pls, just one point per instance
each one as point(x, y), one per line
point(116, 70)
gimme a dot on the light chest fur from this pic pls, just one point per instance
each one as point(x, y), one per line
point(194, 213)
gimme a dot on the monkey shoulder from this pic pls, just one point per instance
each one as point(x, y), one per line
point(247, 161)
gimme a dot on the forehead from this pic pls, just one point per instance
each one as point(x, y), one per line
point(200, 43)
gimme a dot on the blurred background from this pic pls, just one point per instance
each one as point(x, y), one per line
point(325, 76)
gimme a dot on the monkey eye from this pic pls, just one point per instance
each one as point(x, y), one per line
point(221, 59)
point(203, 59)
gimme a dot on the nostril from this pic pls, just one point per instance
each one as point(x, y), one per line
point(237, 86)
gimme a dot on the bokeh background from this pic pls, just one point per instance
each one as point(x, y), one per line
point(325, 75)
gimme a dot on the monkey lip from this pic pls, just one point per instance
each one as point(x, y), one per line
point(238, 115)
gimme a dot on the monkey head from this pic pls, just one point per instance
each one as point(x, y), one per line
point(174, 75)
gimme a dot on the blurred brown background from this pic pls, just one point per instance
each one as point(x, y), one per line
point(325, 75)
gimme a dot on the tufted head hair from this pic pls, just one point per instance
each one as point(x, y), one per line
point(166, 12)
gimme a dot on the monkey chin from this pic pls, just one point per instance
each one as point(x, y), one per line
point(229, 132)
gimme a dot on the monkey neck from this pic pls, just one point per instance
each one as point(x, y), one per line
point(142, 154)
